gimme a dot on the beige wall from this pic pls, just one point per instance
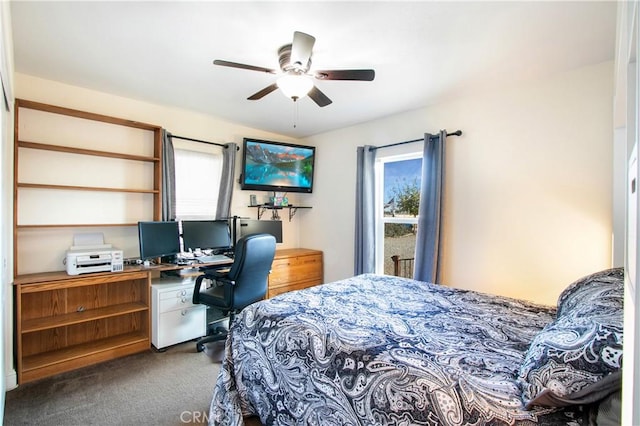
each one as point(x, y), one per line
point(528, 198)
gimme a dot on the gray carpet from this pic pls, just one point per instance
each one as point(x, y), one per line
point(151, 388)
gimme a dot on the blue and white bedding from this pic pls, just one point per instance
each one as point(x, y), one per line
point(382, 350)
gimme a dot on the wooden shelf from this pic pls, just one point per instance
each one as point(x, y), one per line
point(44, 281)
point(77, 351)
point(46, 323)
point(74, 225)
point(23, 103)
point(69, 358)
point(85, 188)
point(82, 151)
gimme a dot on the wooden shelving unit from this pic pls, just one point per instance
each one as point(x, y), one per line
point(78, 154)
point(66, 322)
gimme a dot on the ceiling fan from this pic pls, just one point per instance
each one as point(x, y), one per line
point(295, 77)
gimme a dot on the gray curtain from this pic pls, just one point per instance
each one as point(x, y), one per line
point(365, 251)
point(168, 178)
point(226, 182)
point(429, 238)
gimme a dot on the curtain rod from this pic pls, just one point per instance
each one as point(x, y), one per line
point(373, 148)
point(200, 141)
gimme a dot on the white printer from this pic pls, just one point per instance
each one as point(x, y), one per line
point(90, 254)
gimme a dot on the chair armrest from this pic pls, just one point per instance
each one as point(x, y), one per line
point(218, 276)
point(196, 289)
point(224, 279)
point(214, 270)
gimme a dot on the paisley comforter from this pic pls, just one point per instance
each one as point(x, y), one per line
point(381, 350)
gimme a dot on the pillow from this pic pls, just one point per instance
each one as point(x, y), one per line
point(577, 358)
point(582, 290)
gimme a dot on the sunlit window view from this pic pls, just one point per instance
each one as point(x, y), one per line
point(401, 198)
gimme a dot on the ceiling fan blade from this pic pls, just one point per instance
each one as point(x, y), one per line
point(318, 97)
point(262, 93)
point(362, 75)
point(301, 49)
point(243, 66)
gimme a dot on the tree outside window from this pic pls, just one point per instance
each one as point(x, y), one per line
point(400, 197)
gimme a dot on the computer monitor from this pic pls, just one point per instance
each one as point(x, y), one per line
point(206, 235)
point(255, 226)
point(158, 239)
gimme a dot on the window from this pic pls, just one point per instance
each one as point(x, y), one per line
point(398, 180)
point(198, 177)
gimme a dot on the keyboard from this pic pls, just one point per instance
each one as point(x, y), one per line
point(216, 258)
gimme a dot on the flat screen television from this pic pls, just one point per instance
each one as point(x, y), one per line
point(206, 235)
point(277, 166)
point(158, 239)
point(255, 226)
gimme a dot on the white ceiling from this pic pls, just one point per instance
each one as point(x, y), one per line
point(422, 52)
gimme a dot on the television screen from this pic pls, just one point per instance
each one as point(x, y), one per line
point(206, 234)
point(158, 239)
point(277, 166)
point(255, 226)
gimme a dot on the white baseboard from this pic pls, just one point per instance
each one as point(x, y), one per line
point(11, 380)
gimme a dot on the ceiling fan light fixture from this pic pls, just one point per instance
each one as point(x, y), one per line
point(296, 81)
point(295, 86)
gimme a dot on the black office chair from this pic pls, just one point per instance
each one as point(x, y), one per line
point(244, 284)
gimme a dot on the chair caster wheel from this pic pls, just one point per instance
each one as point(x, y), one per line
point(200, 347)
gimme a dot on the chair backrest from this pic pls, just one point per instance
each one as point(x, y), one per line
point(250, 270)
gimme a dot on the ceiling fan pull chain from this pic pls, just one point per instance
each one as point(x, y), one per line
point(295, 114)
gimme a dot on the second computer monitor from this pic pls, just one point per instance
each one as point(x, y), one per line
point(206, 235)
point(254, 226)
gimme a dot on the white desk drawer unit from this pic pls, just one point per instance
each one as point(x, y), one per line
point(174, 318)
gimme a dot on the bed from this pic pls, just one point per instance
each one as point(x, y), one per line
point(382, 350)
